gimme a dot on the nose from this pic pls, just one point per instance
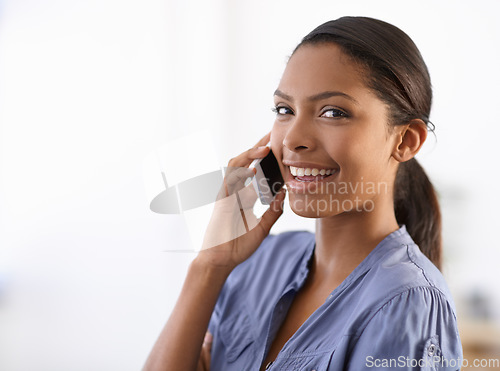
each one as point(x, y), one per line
point(299, 136)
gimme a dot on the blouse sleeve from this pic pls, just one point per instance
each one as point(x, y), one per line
point(415, 330)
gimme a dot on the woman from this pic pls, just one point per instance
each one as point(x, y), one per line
point(364, 291)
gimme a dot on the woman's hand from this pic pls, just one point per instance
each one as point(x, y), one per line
point(205, 356)
point(234, 232)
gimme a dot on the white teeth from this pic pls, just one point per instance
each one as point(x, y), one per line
point(302, 171)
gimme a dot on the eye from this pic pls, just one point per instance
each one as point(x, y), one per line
point(334, 113)
point(282, 110)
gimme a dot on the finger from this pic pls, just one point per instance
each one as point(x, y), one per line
point(207, 341)
point(238, 174)
point(246, 158)
point(234, 179)
point(206, 350)
point(248, 196)
point(264, 140)
point(201, 363)
point(274, 212)
point(200, 366)
point(260, 150)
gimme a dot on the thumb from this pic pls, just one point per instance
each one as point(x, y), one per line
point(208, 340)
point(206, 356)
point(274, 212)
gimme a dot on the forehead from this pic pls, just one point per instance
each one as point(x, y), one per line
point(322, 67)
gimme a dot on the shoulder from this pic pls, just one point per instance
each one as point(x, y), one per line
point(415, 327)
point(410, 313)
point(260, 280)
point(285, 251)
point(419, 309)
point(403, 268)
point(418, 271)
point(399, 282)
point(280, 261)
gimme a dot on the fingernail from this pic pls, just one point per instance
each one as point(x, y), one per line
point(208, 337)
point(262, 147)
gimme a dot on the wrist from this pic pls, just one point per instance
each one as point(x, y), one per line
point(204, 267)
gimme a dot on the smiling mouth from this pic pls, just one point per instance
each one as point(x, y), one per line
point(303, 174)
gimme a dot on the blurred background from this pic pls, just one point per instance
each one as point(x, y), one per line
point(89, 89)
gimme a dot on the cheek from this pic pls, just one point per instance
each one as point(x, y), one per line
point(357, 156)
point(362, 147)
point(277, 136)
point(277, 147)
point(341, 148)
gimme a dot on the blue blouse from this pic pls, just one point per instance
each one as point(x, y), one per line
point(394, 311)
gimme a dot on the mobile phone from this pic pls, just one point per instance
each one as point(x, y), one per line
point(268, 179)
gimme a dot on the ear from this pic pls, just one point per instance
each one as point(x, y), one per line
point(410, 139)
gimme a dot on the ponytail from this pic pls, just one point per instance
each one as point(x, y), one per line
point(416, 205)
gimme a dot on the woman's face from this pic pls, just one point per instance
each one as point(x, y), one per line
point(327, 119)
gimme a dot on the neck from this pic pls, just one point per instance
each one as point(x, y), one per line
point(344, 240)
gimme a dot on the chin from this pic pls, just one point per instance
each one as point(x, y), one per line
point(313, 208)
point(309, 206)
point(312, 215)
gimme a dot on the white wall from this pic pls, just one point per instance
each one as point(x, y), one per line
point(89, 89)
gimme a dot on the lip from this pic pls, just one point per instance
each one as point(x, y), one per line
point(307, 165)
point(303, 187)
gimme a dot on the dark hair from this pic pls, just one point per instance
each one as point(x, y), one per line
point(398, 75)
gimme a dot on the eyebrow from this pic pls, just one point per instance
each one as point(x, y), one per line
point(317, 97)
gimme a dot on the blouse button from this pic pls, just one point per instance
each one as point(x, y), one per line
point(432, 349)
point(268, 365)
